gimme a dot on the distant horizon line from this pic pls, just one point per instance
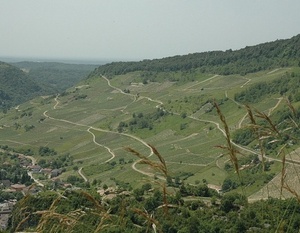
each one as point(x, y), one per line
point(87, 61)
point(102, 61)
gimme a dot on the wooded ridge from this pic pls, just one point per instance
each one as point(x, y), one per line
point(279, 53)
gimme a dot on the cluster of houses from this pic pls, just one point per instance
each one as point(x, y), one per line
point(50, 173)
point(8, 186)
point(37, 169)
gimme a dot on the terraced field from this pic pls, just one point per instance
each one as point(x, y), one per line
point(84, 122)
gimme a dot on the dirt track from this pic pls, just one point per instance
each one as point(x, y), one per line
point(143, 142)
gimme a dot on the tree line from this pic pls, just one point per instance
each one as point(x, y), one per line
point(279, 53)
point(80, 211)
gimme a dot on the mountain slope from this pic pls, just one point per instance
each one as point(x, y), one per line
point(279, 53)
point(15, 86)
point(56, 77)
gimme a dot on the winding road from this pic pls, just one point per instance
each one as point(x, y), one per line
point(160, 103)
point(33, 162)
point(106, 131)
point(83, 176)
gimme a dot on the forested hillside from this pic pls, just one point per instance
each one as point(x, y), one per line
point(280, 53)
point(25, 80)
point(55, 77)
point(15, 86)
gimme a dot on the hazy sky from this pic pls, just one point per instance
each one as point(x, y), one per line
point(140, 29)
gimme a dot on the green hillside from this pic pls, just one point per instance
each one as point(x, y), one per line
point(184, 150)
point(15, 86)
point(25, 80)
point(88, 127)
point(55, 77)
point(178, 118)
point(172, 110)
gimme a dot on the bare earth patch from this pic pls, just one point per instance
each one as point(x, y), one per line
point(273, 188)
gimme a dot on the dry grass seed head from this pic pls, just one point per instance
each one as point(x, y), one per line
point(292, 191)
point(291, 107)
point(250, 114)
point(230, 147)
point(270, 122)
point(161, 167)
point(93, 200)
point(158, 155)
point(283, 174)
point(149, 219)
point(22, 222)
point(68, 221)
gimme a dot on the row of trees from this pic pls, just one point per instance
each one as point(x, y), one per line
point(287, 85)
point(251, 172)
point(80, 211)
point(142, 121)
point(46, 151)
point(60, 161)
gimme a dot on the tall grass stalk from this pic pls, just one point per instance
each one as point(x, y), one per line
point(264, 132)
point(231, 149)
point(162, 169)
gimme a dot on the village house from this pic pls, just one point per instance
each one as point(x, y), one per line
point(57, 182)
point(46, 171)
point(56, 172)
point(34, 168)
point(18, 187)
point(25, 162)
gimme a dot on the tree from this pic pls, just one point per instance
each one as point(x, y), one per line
point(121, 161)
point(74, 179)
point(146, 187)
point(169, 180)
point(232, 201)
point(94, 182)
point(193, 224)
point(177, 180)
point(138, 194)
point(228, 184)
